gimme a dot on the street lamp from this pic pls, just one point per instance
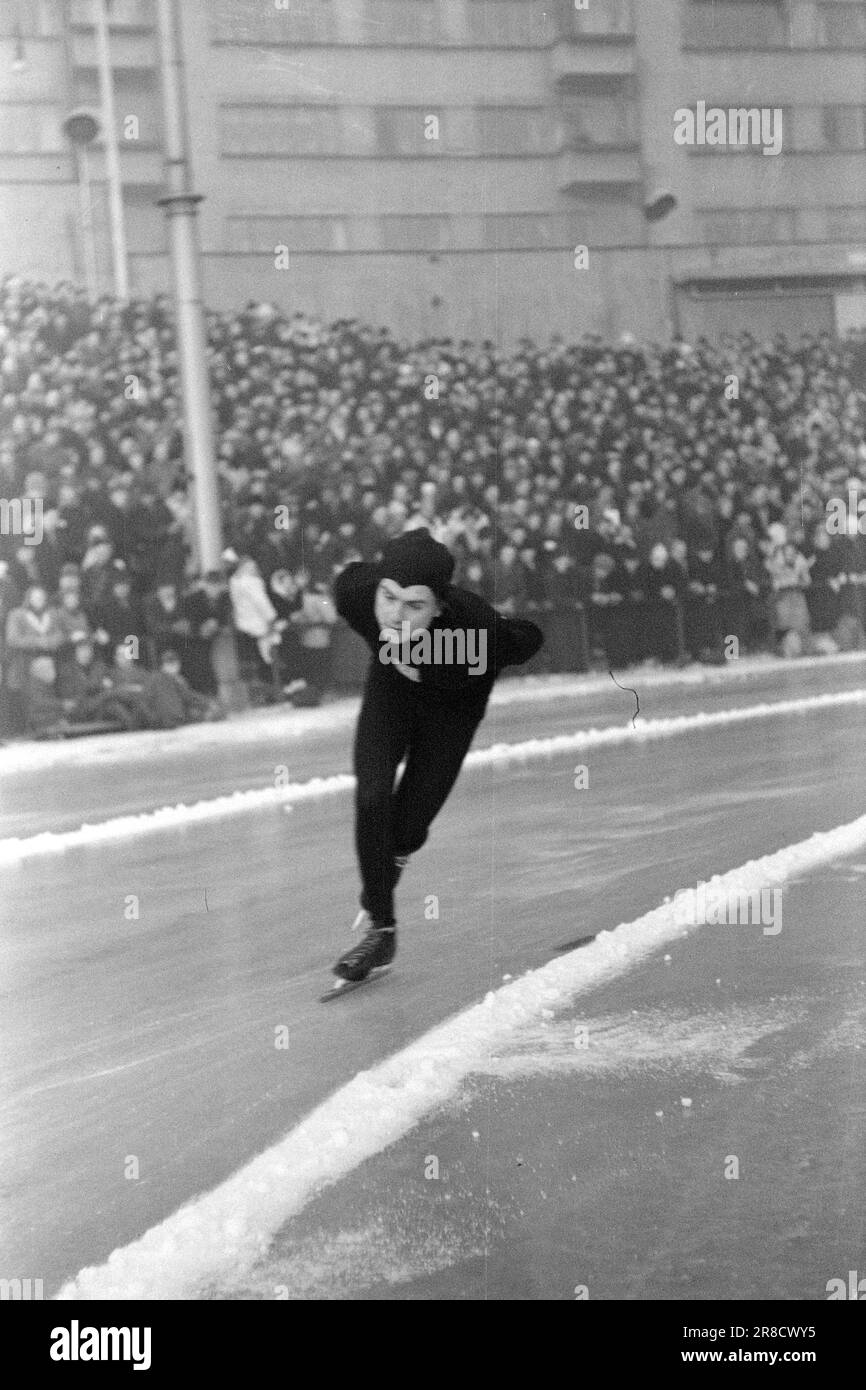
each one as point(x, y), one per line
point(180, 203)
point(19, 57)
point(112, 159)
point(659, 203)
point(81, 127)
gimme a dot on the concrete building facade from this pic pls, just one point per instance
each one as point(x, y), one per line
point(471, 168)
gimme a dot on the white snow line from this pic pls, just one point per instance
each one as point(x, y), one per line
point(14, 850)
point(265, 727)
point(217, 1237)
point(532, 689)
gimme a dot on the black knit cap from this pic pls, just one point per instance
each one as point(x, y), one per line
point(415, 558)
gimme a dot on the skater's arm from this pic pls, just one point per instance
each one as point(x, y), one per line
point(354, 595)
point(512, 641)
point(516, 640)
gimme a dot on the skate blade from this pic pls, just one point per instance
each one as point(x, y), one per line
point(341, 987)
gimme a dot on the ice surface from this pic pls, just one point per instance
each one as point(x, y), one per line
point(219, 1236)
point(14, 850)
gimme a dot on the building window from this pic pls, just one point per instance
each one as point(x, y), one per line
point(37, 19)
point(745, 226)
point(735, 24)
point(514, 130)
point(835, 128)
point(280, 130)
point(411, 233)
point(768, 226)
point(394, 22)
point(510, 23)
point(842, 26)
point(408, 130)
point(804, 128)
point(122, 14)
point(846, 224)
point(525, 231)
point(264, 232)
point(612, 20)
point(252, 21)
point(594, 122)
point(30, 128)
point(842, 127)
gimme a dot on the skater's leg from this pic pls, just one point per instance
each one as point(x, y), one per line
point(381, 739)
point(400, 862)
point(439, 746)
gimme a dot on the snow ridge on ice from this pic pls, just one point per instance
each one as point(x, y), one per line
point(14, 850)
point(213, 1240)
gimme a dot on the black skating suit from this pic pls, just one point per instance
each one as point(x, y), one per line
point(430, 722)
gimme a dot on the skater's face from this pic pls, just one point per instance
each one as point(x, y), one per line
point(416, 605)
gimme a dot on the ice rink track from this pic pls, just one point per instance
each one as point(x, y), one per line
point(147, 1032)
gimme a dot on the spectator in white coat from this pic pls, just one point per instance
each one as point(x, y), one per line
point(258, 625)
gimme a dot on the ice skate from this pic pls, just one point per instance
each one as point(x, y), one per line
point(366, 959)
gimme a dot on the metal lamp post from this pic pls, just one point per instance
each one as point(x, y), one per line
point(181, 210)
point(81, 127)
point(112, 159)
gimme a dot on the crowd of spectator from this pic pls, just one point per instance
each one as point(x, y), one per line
point(643, 503)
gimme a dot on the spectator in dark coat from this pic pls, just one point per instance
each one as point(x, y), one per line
point(96, 567)
point(509, 582)
point(83, 678)
point(119, 615)
point(745, 612)
point(605, 604)
point(166, 621)
point(10, 598)
point(209, 610)
point(132, 689)
point(632, 616)
point(24, 568)
point(172, 700)
point(84, 687)
point(564, 629)
point(702, 603)
point(43, 710)
point(664, 584)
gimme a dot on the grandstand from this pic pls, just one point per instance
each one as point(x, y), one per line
point(613, 491)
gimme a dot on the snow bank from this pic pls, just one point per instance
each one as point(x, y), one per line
point(276, 725)
point(15, 850)
point(216, 1238)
